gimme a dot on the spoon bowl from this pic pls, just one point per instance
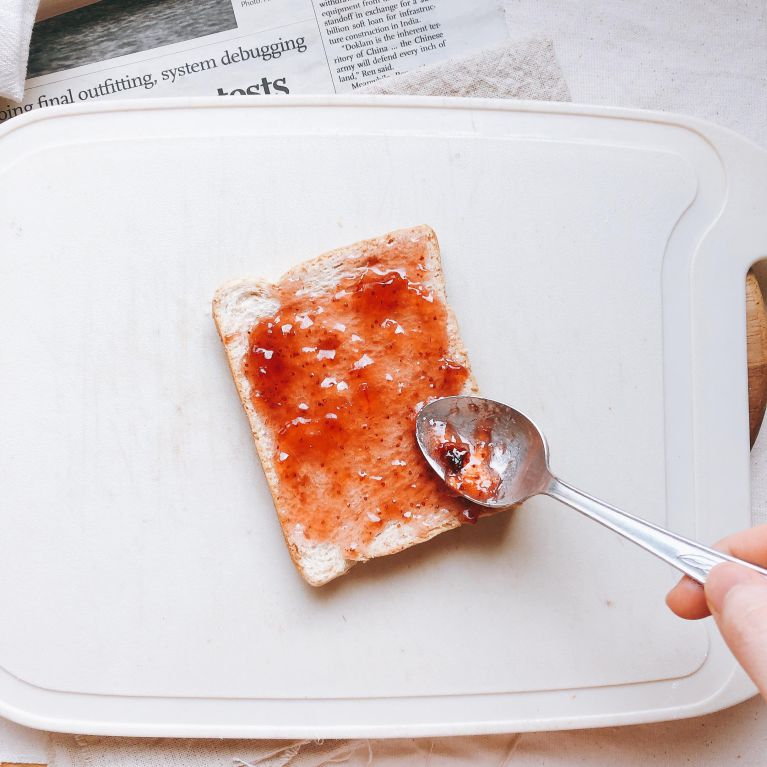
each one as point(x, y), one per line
point(518, 452)
point(497, 457)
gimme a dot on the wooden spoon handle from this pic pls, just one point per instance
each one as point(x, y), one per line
point(756, 336)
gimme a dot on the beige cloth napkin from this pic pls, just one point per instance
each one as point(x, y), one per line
point(526, 70)
point(88, 751)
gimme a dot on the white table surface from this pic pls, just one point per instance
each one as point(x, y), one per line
point(706, 58)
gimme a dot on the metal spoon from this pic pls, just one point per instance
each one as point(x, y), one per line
point(514, 450)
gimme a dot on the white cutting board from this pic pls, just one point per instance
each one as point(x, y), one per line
point(595, 259)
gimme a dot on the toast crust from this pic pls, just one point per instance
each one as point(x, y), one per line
point(240, 305)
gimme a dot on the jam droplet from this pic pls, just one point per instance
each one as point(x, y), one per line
point(467, 465)
point(453, 457)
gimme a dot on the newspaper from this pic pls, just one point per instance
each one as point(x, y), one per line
point(87, 50)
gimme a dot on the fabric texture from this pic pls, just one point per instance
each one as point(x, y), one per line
point(526, 69)
point(16, 19)
point(87, 751)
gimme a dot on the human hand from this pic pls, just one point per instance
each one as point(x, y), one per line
point(737, 598)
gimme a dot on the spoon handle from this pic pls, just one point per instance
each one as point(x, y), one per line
point(691, 558)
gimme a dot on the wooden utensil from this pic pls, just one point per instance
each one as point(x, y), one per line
point(756, 336)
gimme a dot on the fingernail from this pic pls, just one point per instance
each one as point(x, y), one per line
point(725, 577)
point(686, 586)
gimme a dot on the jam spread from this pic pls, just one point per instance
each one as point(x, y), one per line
point(467, 462)
point(338, 375)
point(453, 456)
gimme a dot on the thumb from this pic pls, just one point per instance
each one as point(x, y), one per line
point(737, 598)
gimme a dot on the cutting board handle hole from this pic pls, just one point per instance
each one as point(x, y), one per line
point(756, 338)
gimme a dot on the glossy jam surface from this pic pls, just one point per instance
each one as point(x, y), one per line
point(466, 458)
point(338, 376)
point(467, 467)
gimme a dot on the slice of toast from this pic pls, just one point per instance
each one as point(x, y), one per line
point(332, 364)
